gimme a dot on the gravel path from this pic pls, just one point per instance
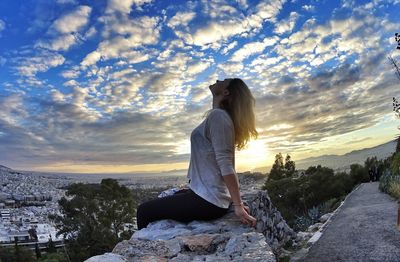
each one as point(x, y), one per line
point(364, 229)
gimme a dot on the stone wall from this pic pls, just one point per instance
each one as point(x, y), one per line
point(269, 220)
point(223, 239)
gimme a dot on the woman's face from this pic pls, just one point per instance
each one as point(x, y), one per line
point(218, 88)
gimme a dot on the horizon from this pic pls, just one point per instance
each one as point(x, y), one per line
point(180, 172)
point(119, 86)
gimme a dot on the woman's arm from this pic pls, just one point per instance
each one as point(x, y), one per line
point(233, 187)
point(242, 211)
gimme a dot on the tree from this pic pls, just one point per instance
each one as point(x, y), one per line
point(37, 251)
point(359, 173)
point(290, 166)
point(16, 254)
point(278, 169)
point(396, 103)
point(371, 162)
point(53, 257)
point(51, 247)
point(93, 218)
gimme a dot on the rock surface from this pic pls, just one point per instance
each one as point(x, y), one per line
point(223, 239)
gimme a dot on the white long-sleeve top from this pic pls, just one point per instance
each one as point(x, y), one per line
point(212, 156)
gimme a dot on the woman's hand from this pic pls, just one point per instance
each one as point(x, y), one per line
point(243, 212)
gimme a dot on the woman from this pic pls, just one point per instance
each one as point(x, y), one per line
point(213, 183)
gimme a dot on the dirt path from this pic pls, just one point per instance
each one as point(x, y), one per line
point(364, 229)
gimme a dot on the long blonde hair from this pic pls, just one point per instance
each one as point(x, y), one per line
point(240, 105)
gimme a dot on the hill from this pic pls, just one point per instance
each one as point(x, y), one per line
point(343, 161)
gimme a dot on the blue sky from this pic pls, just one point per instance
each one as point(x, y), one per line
point(118, 86)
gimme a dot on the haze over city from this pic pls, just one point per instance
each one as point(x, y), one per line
point(118, 86)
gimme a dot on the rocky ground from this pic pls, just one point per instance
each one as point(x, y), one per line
point(223, 239)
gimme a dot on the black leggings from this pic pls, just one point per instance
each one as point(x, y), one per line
point(182, 206)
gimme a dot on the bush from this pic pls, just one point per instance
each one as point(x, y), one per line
point(359, 174)
point(53, 257)
point(395, 164)
point(16, 253)
point(384, 182)
point(390, 184)
point(394, 189)
point(301, 223)
point(94, 214)
point(303, 200)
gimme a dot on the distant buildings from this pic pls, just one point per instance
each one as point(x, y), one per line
point(25, 203)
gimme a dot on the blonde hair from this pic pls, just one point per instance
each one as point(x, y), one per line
point(240, 106)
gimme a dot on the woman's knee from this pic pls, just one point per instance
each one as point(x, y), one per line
point(142, 216)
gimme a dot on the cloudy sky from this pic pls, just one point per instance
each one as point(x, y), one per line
point(118, 85)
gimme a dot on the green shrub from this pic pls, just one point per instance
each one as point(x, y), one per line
point(384, 182)
point(314, 214)
point(303, 200)
point(359, 174)
point(395, 164)
point(394, 189)
point(301, 223)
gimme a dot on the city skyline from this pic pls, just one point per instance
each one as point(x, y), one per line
point(118, 86)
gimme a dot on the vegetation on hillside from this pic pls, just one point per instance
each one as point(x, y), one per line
point(390, 181)
point(93, 217)
point(302, 197)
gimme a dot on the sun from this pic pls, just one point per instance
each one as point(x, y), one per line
point(255, 155)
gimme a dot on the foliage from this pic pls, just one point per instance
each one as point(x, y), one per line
point(385, 181)
point(16, 254)
point(394, 189)
point(93, 216)
point(290, 166)
point(359, 174)
point(314, 214)
point(53, 257)
point(301, 223)
point(277, 170)
point(281, 170)
point(371, 162)
point(252, 176)
point(51, 247)
point(303, 200)
point(395, 164)
point(390, 184)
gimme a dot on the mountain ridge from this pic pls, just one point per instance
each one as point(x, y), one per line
point(343, 161)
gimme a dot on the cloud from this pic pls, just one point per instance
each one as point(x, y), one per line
point(61, 43)
point(131, 33)
point(230, 46)
point(243, 3)
point(286, 25)
point(181, 19)
point(71, 83)
point(63, 2)
point(252, 48)
point(124, 6)
point(132, 96)
point(42, 61)
point(232, 23)
point(308, 8)
point(2, 61)
point(71, 73)
point(64, 31)
point(73, 21)
point(2, 25)
point(322, 101)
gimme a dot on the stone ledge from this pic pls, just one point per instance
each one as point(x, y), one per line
point(223, 239)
